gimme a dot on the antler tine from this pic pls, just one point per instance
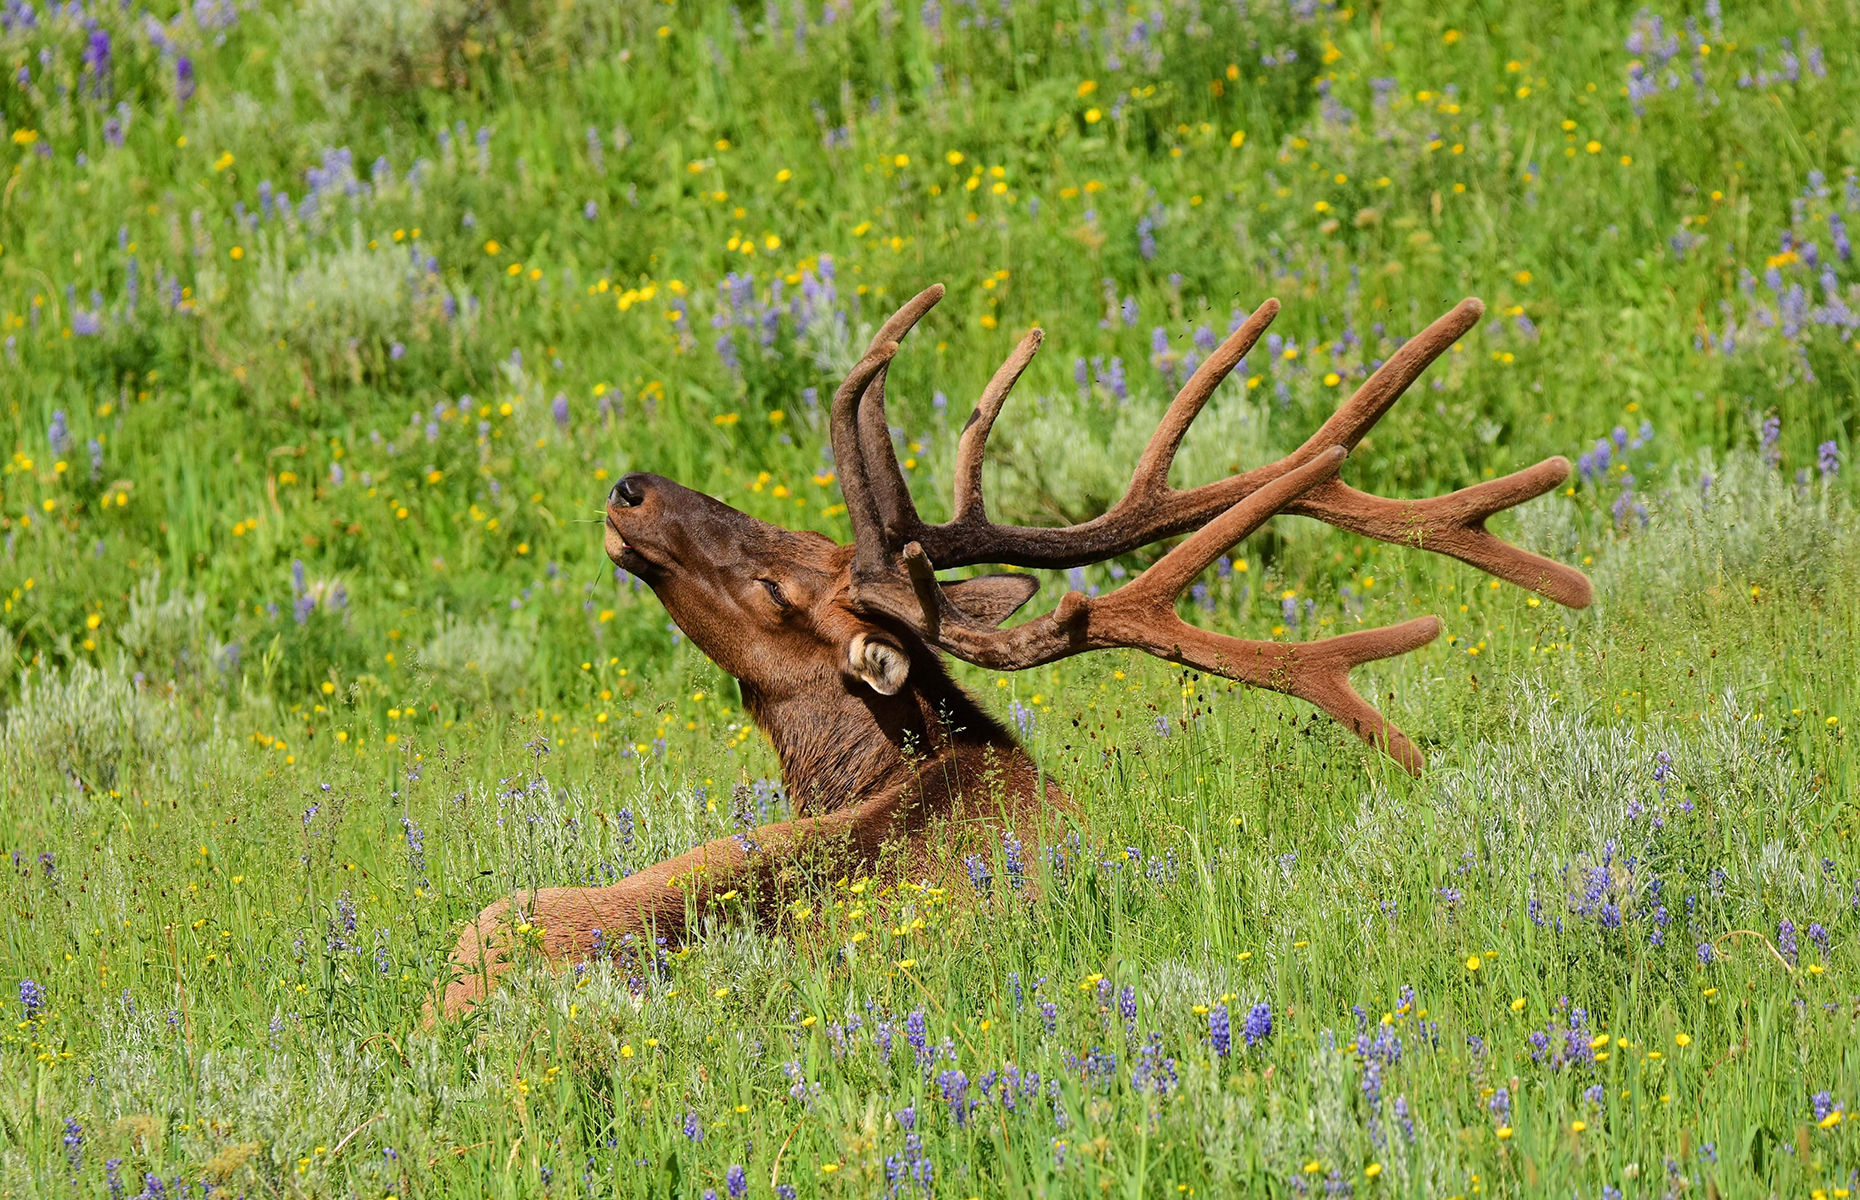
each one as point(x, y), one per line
point(870, 554)
point(890, 494)
point(929, 595)
point(1359, 414)
point(1322, 673)
point(873, 506)
point(907, 316)
point(897, 513)
point(1164, 580)
point(1152, 474)
point(1454, 525)
point(974, 441)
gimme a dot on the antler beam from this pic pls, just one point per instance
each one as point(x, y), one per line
point(1141, 615)
point(897, 554)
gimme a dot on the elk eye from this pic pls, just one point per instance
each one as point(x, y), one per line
point(774, 591)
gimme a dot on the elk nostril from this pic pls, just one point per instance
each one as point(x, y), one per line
point(627, 493)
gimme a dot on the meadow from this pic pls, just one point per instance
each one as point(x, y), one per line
point(327, 327)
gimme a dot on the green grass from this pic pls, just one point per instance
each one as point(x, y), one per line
point(217, 760)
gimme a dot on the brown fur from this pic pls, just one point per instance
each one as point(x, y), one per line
point(870, 775)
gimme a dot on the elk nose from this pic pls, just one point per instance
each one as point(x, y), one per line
point(628, 493)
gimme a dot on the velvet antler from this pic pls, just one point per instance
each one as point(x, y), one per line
point(897, 554)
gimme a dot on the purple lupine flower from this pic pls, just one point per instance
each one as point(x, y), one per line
point(58, 434)
point(1258, 1024)
point(1115, 380)
point(954, 1085)
point(914, 1034)
point(979, 874)
point(1818, 934)
point(1220, 1031)
point(590, 210)
point(1828, 459)
point(1130, 310)
point(1010, 852)
point(559, 410)
point(1769, 439)
point(1785, 939)
point(736, 1182)
point(97, 59)
point(1153, 1071)
point(183, 80)
point(694, 1129)
point(74, 1144)
point(31, 997)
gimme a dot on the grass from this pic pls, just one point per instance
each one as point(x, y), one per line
point(311, 651)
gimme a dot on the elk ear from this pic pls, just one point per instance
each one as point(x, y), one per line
point(991, 598)
point(881, 664)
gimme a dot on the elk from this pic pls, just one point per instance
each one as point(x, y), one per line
point(839, 648)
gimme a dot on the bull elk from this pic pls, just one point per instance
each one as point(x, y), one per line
point(837, 647)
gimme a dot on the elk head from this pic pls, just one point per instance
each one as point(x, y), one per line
point(761, 600)
point(792, 614)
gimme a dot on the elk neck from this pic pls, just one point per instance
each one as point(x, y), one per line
point(842, 744)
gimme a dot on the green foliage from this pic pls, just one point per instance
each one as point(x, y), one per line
point(310, 650)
